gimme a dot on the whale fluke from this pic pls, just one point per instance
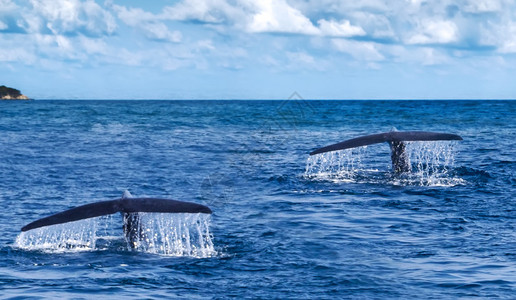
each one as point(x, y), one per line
point(123, 205)
point(392, 136)
point(396, 141)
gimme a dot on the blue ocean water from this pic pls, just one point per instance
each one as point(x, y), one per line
point(284, 225)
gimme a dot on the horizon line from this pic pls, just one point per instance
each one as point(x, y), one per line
point(269, 99)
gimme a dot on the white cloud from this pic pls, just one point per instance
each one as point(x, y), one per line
point(431, 56)
point(339, 29)
point(133, 16)
point(300, 58)
point(483, 6)
point(209, 11)
point(427, 31)
point(33, 50)
point(376, 25)
point(279, 16)
point(70, 17)
point(508, 38)
point(93, 46)
point(267, 16)
point(421, 55)
point(7, 6)
point(362, 51)
point(57, 47)
point(206, 44)
point(149, 24)
point(414, 22)
point(63, 43)
point(160, 31)
point(340, 7)
point(508, 47)
point(434, 32)
point(500, 35)
point(16, 54)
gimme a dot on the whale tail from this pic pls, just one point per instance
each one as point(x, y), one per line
point(124, 205)
point(392, 136)
point(396, 141)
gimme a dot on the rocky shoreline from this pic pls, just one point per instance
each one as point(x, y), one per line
point(7, 93)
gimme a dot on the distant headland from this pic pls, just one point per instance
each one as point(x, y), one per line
point(7, 93)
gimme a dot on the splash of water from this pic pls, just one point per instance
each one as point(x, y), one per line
point(431, 165)
point(340, 165)
point(75, 236)
point(164, 234)
point(182, 235)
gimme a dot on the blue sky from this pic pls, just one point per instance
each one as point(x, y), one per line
point(243, 49)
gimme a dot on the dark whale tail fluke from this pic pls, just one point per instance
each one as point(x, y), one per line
point(395, 140)
point(123, 205)
point(392, 136)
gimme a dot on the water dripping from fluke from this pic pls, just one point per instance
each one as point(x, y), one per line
point(431, 163)
point(178, 235)
point(340, 166)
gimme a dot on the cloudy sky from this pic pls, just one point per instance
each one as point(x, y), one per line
point(244, 49)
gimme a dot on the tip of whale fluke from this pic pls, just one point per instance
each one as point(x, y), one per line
point(123, 205)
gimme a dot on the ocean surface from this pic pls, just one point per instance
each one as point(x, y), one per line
point(285, 225)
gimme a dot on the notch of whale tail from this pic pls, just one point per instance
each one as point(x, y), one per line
point(389, 137)
point(123, 205)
